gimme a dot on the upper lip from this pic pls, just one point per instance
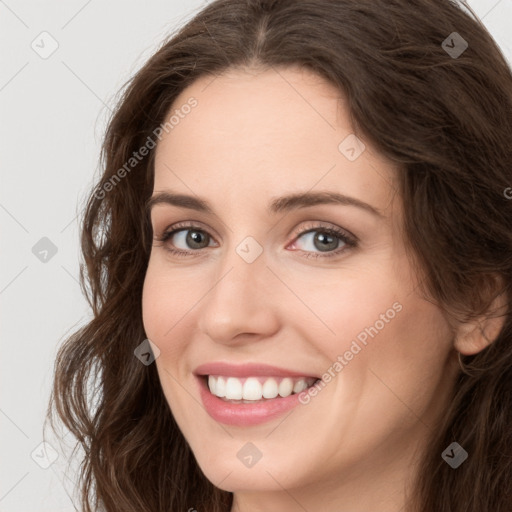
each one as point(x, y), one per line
point(247, 370)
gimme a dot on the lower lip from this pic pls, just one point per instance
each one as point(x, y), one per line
point(244, 415)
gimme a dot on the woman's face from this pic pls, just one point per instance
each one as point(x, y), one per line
point(268, 287)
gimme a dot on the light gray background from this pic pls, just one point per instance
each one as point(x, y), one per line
point(53, 115)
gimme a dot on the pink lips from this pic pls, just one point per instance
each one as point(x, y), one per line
point(244, 414)
point(247, 370)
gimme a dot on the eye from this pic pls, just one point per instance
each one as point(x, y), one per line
point(186, 237)
point(191, 239)
point(325, 240)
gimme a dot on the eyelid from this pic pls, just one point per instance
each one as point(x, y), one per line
point(187, 224)
point(318, 225)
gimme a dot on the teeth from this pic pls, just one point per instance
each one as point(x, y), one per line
point(212, 384)
point(233, 389)
point(252, 389)
point(220, 386)
point(270, 388)
point(257, 388)
point(299, 386)
point(286, 387)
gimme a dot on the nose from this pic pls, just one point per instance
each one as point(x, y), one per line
point(242, 304)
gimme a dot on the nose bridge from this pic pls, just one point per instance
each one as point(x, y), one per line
point(241, 276)
point(238, 301)
point(242, 267)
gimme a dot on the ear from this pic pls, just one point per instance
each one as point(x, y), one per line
point(475, 335)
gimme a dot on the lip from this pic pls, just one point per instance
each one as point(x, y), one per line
point(244, 415)
point(247, 370)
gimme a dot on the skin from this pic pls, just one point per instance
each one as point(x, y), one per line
point(254, 135)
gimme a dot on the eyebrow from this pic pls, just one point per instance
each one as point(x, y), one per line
point(277, 204)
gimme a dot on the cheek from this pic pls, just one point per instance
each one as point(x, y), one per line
point(343, 311)
point(402, 365)
point(379, 328)
point(164, 303)
point(153, 304)
point(164, 307)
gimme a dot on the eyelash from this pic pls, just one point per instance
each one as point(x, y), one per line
point(349, 241)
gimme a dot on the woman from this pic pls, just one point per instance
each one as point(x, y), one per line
point(299, 263)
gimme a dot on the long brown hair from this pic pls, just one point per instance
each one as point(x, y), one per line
point(445, 119)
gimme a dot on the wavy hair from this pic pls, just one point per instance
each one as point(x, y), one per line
point(445, 119)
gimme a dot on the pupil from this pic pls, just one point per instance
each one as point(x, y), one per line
point(326, 241)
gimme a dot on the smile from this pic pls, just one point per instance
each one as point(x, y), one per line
point(249, 394)
point(251, 389)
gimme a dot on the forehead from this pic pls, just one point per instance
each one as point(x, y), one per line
point(266, 131)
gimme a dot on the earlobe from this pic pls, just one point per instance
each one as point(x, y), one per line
point(473, 337)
